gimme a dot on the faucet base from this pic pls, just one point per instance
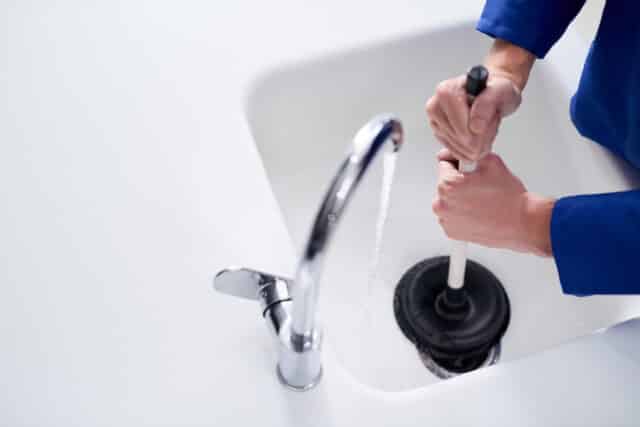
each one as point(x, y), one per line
point(305, 387)
point(300, 359)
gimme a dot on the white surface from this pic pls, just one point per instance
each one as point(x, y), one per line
point(128, 177)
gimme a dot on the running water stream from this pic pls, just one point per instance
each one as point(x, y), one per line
point(370, 322)
point(389, 167)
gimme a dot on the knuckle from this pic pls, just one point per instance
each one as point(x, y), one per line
point(494, 159)
point(454, 181)
point(437, 206)
point(431, 106)
point(443, 141)
point(443, 188)
point(443, 89)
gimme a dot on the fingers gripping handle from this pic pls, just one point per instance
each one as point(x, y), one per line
point(474, 85)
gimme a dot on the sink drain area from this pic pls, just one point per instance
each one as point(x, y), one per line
point(454, 330)
point(493, 356)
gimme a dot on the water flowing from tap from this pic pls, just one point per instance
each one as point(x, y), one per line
point(389, 168)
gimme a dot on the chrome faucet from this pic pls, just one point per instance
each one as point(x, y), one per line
point(290, 305)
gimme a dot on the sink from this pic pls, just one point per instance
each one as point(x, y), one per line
point(302, 117)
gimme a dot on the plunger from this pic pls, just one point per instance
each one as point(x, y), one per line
point(454, 310)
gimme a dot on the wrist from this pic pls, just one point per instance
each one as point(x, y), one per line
point(510, 61)
point(536, 224)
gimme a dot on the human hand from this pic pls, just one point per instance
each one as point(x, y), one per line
point(491, 207)
point(467, 131)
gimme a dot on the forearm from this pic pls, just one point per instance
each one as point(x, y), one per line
point(508, 60)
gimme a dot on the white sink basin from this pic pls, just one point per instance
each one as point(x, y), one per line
point(304, 116)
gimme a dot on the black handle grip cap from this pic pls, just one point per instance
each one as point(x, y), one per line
point(476, 80)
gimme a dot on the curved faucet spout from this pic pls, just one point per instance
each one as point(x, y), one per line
point(290, 306)
point(367, 143)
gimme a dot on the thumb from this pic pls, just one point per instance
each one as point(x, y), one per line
point(483, 111)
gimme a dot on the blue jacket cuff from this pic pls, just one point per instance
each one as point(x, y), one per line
point(596, 241)
point(534, 25)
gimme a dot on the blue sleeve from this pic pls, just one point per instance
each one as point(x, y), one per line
point(596, 243)
point(534, 25)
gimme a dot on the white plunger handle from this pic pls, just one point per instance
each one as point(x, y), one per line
point(458, 258)
point(475, 84)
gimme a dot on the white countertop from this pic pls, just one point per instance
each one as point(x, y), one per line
point(128, 177)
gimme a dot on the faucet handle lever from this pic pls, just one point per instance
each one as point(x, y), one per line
point(241, 282)
point(254, 285)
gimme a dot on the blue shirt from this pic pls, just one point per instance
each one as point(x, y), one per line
point(595, 238)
